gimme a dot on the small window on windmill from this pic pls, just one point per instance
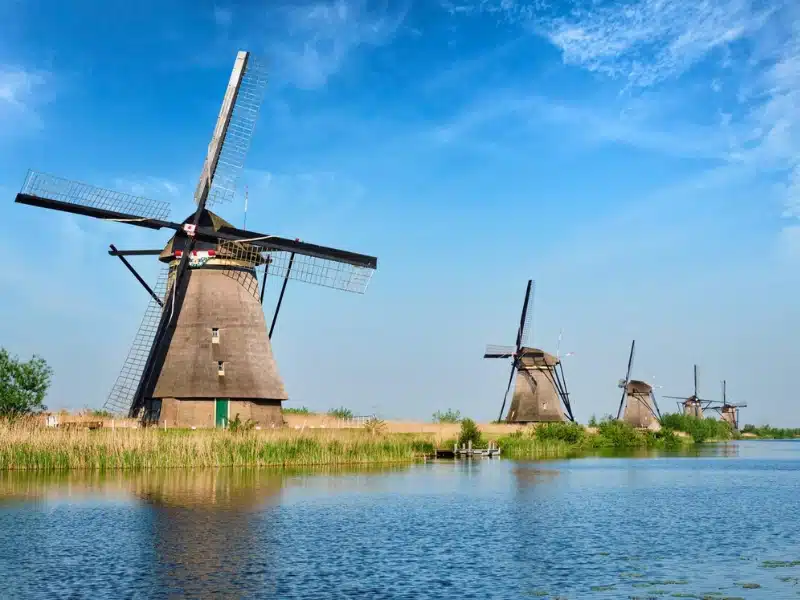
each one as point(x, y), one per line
point(215, 335)
point(220, 368)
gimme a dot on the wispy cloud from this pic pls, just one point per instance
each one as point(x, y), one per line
point(650, 41)
point(651, 49)
point(318, 37)
point(20, 98)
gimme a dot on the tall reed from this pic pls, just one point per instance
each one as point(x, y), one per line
point(25, 446)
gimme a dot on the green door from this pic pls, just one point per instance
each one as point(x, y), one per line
point(221, 412)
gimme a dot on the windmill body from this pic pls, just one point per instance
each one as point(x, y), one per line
point(692, 407)
point(536, 394)
point(220, 348)
point(540, 390)
point(638, 406)
point(203, 353)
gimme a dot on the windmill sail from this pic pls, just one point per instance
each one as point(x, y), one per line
point(233, 131)
point(50, 191)
point(121, 395)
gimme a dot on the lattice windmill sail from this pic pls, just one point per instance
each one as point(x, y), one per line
point(540, 389)
point(638, 401)
point(203, 352)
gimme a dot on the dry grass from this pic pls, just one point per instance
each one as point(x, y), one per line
point(28, 446)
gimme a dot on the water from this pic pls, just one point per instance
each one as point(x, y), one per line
point(656, 527)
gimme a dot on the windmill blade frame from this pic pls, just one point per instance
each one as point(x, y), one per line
point(233, 131)
point(508, 388)
point(65, 195)
point(527, 314)
point(627, 380)
point(122, 393)
point(493, 351)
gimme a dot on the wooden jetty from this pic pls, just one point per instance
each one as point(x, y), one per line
point(466, 450)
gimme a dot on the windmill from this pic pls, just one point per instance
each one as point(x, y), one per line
point(693, 405)
point(540, 387)
point(727, 412)
point(202, 352)
point(638, 400)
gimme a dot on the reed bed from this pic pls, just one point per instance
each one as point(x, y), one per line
point(24, 446)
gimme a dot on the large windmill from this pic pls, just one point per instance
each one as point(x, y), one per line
point(638, 401)
point(540, 387)
point(202, 352)
point(727, 412)
point(693, 405)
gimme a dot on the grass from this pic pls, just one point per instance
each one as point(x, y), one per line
point(24, 446)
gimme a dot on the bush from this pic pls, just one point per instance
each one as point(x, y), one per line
point(374, 425)
point(701, 430)
point(449, 416)
point(23, 385)
point(296, 411)
point(341, 413)
point(470, 433)
point(572, 433)
point(236, 425)
point(619, 434)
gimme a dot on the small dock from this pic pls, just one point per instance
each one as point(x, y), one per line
point(466, 450)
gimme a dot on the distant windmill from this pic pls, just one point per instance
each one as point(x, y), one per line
point(728, 412)
point(540, 387)
point(693, 405)
point(638, 401)
point(202, 352)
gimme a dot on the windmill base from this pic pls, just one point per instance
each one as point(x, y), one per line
point(205, 412)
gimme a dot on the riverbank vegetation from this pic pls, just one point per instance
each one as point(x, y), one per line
point(24, 446)
point(572, 439)
point(770, 433)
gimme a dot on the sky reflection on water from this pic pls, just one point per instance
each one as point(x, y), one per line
point(583, 528)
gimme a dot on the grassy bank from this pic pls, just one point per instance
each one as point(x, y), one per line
point(572, 439)
point(25, 447)
point(771, 433)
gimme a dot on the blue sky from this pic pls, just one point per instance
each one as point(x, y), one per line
point(638, 159)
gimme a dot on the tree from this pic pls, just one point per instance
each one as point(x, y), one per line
point(23, 385)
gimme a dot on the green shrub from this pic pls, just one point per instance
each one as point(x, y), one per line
point(448, 416)
point(619, 434)
point(341, 413)
point(702, 430)
point(237, 425)
point(470, 433)
point(297, 411)
point(572, 433)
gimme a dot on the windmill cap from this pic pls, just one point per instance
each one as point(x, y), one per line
point(178, 241)
point(540, 357)
point(635, 386)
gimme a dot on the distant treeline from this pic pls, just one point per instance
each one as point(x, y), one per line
point(772, 433)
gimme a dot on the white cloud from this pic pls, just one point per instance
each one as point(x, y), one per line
point(751, 61)
point(19, 98)
point(320, 36)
